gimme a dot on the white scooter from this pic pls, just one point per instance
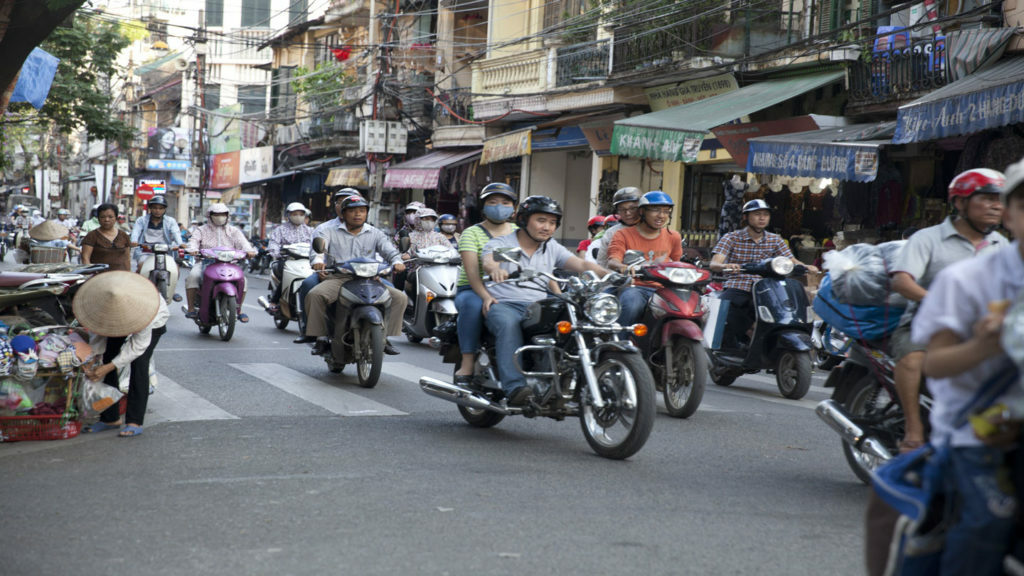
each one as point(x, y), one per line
point(296, 269)
point(433, 304)
point(161, 270)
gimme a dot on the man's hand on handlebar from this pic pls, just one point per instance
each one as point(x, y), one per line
point(499, 275)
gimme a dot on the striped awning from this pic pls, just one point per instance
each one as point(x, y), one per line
point(971, 50)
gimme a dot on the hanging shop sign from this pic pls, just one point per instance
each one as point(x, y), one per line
point(255, 164)
point(669, 95)
point(225, 170)
point(656, 144)
point(961, 114)
point(167, 165)
point(510, 145)
point(854, 163)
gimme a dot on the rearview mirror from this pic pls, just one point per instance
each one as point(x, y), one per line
point(319, 244)
point(633, 257)
point(508, 254)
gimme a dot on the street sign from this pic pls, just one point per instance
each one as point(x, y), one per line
point(149, 188)
point(122, 166)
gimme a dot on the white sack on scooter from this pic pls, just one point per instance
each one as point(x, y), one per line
point(860, 274)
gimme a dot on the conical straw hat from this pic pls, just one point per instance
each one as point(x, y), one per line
point(116, 303)
point(49, 230)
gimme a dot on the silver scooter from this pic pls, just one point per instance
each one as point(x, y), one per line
point(296, 269)
point(433, 304)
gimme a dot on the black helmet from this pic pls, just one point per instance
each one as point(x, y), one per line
point(158, 200)
point(537, 205)
point(627, 194)
point(499, 188)
point(345, 193)
point(354, 201)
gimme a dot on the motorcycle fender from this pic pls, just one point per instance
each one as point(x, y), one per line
point(686, 328)
point(612, 346)
point(443, 306)
point(227, 288)
point(796, 341)
point(843, 379)
point(369, 314)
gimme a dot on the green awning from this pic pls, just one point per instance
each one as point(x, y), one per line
point(676, 133)
point(140, 70)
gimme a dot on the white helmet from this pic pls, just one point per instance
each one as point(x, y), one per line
point(218, 208)
point(295, 207)
point(426, 213)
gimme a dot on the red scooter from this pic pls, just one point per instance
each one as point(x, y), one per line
point(673, 343)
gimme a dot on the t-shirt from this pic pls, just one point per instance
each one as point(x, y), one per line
point(667, 246)
point(473, 239)
point(955, 301)
point(116, 254)
point(549, 256)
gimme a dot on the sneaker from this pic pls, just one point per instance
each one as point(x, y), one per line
point(520, 396)
point(304, 339)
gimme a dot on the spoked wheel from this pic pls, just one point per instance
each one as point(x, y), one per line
point(476, 417)
point(620, 428)
point(690, 363)
point(371, 354)
point(793, 374)
point(227, 307)
point(875, 409)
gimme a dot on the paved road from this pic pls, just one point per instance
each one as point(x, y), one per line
point(257, 460)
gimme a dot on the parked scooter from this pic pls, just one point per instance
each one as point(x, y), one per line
point(222, 291)
point(781, 336)
point(44, 293)
point(673, 343)
point(363, 304)
point(161, 270)
point(575, 360)
point(296, 269)
point(435, 281)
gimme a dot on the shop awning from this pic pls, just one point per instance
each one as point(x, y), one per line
point(989, 98)
point(316, 164)
point(507, 145)
point(845, 153)
point(425, 172)
point(272, 177)
point(354, 176)
point(676, 133)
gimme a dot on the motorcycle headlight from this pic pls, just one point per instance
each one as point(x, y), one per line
point(365, 269)
point(160, 248)
point(602, 309)
point(683, 275)
point(225, 256)
point(782, 265)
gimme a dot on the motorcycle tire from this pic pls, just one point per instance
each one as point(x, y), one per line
point(691, 367)
point(3, 251)
point(476, 417)
point(205, 328)
point(867, 401)
point(723, 376)
point(280, 321)
point(793, 374)
point(227, 307)
point(615, 371)
point(368, 366)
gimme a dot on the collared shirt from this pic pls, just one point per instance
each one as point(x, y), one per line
point(135, 344)
point(739, 248)
point(956, 300)
point(227, 236)
point(285, 234)
point(343, 245)
point(546, 258)
point(168, 231)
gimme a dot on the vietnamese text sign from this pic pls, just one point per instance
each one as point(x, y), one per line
point(964, 114)
point(655, 144)
point(509, 145)
point(167, 165)
point(843, 162)
point(225, 170)
point(256, 164)
point(669, 95)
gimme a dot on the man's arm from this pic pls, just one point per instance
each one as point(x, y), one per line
point(577, 264)
point(172, 225)
point(138, 230)
point(905, 285)
point(949, 355)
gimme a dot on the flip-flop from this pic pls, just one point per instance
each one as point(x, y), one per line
point(243, 318)
point(100, 427)
point(130, 431)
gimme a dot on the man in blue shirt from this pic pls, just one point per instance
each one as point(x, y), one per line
point(155, 227)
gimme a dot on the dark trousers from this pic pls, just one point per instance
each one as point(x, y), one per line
point(739, 318)
point(277, 269)
point(138, 387)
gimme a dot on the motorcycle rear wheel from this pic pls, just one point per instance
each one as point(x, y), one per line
point(793, 374)
point(371, 359)
point(227, 306)
point(723, 376)
point(280, 321)
point(476, 417)
point(618, 431)
point(691, 367)
point(867, 401)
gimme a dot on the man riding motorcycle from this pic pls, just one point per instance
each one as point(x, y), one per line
point(538, 218)
point(752, 243)
point(154, 227)
point(648, 235)
point(216, 233)
point(348, 237)
point(293, 231)
point(626, 203)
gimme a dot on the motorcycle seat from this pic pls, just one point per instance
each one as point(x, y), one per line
point(15, 279)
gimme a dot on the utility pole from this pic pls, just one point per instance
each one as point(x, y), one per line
point(199, 116)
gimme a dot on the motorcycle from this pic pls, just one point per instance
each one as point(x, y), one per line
point(42, 293)
point(5, 236)
point(830, 346)
point(221, 292)
point(161, 270)
point(673, 343)
point(296, 269)
point(183, 259)
point(260, 263)
point(781, 338)
point(21, 246)
point(575, 359)
point(355, 323)
point(433, 304)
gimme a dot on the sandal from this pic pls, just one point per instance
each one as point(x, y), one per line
point(101, 426)
point(130, 431)
point(243, 318)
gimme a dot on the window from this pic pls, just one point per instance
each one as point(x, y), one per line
point(253, 99)
point(297, 12)
point(282, 95)
point(214, 12)
point(212, 96)
point(256, 13)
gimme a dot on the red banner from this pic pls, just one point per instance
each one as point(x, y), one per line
point(226, 169)
point(734, 136)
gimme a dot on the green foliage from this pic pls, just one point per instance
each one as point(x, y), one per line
point(323, 88)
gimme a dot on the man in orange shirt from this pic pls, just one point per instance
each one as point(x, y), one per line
point(651, 237)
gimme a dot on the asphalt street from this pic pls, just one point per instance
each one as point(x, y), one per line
point(257, 460)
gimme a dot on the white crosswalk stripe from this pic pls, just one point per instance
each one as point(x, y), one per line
point(314, 391)
point(174, 403)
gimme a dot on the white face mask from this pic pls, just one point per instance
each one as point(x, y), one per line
point(219, 219)
point(448, 228)
point(297, 219)
point(427, 225)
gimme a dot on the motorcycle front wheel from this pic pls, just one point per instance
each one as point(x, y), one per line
point(371, 355)
point(280, 321)
point(793, 374)
point(620, 428)
point(227, 306)
point(690, 363)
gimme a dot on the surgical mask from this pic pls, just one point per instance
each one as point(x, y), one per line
point(219, 219)
point(410, 219)
point(427, 225)
point(448, 228)
point(498, 212)
point(297, 219)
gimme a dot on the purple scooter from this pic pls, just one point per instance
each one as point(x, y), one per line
point(222, 291)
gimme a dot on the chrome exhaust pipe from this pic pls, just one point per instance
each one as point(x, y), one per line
point(262, 301)
point(459, 395)
point(833, 414)
point(434, 342)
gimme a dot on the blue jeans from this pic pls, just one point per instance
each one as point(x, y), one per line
point(503, 321)
point(632, 302)
point(983, 533)
point(470, 321)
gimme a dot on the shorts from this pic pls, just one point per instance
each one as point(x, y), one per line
point(900, 343)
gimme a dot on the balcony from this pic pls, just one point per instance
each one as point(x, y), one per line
point(518, 74)
point(885, 79)
point(582, 63)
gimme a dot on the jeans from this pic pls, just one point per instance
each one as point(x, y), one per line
point(633, 301)
point(739, 317)
point(470, 321)
point(503, 321)
point(983, 533)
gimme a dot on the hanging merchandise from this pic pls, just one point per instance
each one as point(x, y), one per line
point(6, 358)
point(731, 217)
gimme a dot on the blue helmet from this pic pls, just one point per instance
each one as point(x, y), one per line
point(656, 198)
point(499, 188)
point(445, 217)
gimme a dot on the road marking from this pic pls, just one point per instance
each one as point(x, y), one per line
point(221, 350)
point(765, 396)
point(317, 392)
point(173, 402)
point(410, 373)
point(251, 307)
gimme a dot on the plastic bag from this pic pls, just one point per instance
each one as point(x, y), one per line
point(860, 274)
point(98, 396)
point(124, 377)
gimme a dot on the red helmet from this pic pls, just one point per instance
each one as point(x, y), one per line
point(595, 221)
point(977, 181)
point(611, 219)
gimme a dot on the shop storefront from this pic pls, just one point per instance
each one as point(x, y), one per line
point(440, 179)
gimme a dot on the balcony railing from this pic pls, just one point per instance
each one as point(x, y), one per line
point(458, 102)
point(582, 63)
point(898, 74)
point(637, 48)
point(518, 74)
